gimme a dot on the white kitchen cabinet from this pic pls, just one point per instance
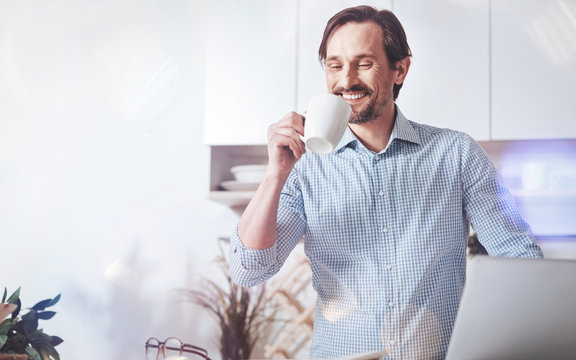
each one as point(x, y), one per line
point(250, 69)
point(533, 69)
point(448, 83)
point(313, 17)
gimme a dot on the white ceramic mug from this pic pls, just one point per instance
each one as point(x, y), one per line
point(326, 119)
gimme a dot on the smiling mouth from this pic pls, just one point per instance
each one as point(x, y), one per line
point(353, 96)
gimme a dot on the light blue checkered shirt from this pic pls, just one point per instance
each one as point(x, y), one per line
point(386, 235)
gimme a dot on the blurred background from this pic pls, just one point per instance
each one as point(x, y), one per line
point(120, 121)
point(103, 169)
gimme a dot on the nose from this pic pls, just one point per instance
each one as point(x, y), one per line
point(349, 77)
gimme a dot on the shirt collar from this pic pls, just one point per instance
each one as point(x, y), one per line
point(402, 130)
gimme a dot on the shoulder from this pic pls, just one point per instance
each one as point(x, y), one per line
point(433, 133)
point(448, 139)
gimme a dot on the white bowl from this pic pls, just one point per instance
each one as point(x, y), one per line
point(248, 173)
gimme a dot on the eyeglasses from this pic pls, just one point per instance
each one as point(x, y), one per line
point(172, 348)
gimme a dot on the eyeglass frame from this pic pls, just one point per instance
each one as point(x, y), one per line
point(183, 348)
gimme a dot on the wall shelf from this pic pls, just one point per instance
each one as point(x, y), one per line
point(224, 157)
point(233, 199)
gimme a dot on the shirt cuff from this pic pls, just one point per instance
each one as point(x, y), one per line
point(250, 266)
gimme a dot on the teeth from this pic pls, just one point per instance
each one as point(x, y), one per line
point(352, 96)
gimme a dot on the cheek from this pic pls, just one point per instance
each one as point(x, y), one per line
point(383, 84)
point(331, 81)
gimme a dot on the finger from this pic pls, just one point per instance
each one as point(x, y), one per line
point(295, 146)
point(290, 132)
point(293, 120)
point(298, 147)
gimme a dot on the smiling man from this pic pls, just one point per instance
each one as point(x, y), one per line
point(386, 216)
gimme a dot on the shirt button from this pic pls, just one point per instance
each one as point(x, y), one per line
point(392, 342)
point(381, 193)
point(388, 267)
point(391, 304)
point(384, 229)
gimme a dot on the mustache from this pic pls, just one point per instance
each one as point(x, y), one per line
point(355, 88)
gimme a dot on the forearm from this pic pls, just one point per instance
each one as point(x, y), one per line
point(257, 226)
point(270, 227)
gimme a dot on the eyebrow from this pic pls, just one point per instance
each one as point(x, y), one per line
point(358, 57)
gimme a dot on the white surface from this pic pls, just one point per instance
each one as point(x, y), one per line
point(448, 83)
point(103, 170)
point(250, 69)
point(534, 69)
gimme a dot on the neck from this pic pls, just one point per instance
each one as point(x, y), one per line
point(376, 133)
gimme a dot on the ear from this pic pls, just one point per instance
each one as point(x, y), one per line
point(402, 67)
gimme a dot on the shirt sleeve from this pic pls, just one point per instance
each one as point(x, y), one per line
point(490, 207)
point(250, 267)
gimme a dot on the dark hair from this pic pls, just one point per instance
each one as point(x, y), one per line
point(395, 43)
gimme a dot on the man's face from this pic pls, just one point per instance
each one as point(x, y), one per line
point(357, 70)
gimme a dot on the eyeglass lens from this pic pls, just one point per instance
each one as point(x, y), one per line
point(172, 348)
point(152, 346)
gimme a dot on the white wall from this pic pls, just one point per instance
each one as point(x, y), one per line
point(103, 171)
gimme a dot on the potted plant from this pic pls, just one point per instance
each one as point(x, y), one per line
point(20, 337)
point(241, 313)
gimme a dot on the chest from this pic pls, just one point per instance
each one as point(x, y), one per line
point(360, 190)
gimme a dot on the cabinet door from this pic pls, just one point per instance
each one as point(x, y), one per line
point(534, 69)
point(313, 16)
point(448, 83)
point(250, 69)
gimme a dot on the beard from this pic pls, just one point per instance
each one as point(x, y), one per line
point(371, 111)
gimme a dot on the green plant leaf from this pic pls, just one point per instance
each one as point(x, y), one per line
point(3, 339)
point(30, 325)
point(5, 293)
point(41, 305)
point(33, 353)
point(56, 340)
point(15, 296)
point(5, 326)
point(30, 315)
point(46, 303)
point(38, 337)
point(49, 353)
point(46, 315)
point(17, 311)
point(55, 300)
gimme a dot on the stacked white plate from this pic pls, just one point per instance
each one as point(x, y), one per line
point(246, 177)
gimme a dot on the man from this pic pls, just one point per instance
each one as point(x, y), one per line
point(386, 216)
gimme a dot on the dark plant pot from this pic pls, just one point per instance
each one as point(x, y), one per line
point(13, 357)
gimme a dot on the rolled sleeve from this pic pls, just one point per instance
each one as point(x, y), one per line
point(249, 267)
